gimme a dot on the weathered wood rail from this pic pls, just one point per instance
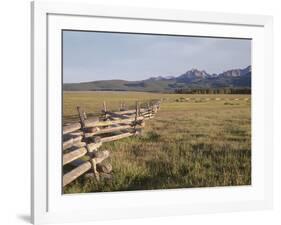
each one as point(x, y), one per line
point(84, 138)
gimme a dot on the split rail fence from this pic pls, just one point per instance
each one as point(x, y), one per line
point(85, 137)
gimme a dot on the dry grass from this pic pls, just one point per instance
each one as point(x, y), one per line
point(197, 143)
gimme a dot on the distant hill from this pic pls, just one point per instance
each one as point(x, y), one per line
point(235, 78)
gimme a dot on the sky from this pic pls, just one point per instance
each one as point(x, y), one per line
point(91, 56)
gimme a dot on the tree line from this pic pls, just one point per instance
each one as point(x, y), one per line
point(214, 91)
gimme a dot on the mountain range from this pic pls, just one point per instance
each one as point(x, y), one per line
point(192, 79)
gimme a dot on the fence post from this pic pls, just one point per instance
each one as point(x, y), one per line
point(83, 117)
point(149, 107)
point(104, 110)
point(136, 116)
point(121, 106)
point(137, 109)
point(94, 169)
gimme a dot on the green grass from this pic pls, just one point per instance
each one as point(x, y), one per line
point(193, 143)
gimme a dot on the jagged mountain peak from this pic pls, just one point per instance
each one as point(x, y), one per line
point(193, 78)
point(192, 75)
point(236, 72)
point(195, 74)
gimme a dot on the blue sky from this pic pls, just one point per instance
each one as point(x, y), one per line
point(90, 56)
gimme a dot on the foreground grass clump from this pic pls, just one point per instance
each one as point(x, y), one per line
point(188, 144)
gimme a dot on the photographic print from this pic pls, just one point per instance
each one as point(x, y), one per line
point(154, 111)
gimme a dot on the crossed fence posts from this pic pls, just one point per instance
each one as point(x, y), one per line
point(84, 138)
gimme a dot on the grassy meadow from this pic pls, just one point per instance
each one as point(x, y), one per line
point(202, 142)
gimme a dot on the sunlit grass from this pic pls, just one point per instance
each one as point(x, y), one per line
point(194, 143)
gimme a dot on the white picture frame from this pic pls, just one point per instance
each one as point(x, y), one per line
point(49, 205)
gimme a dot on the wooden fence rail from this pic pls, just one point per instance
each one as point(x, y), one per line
point(84, 138)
